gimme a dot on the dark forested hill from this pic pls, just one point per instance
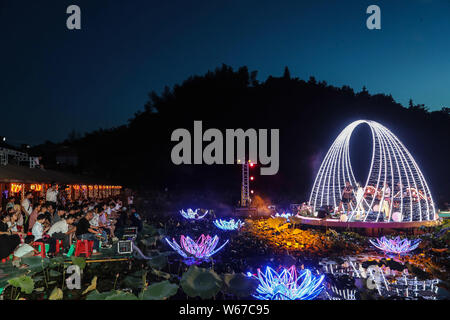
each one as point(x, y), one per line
point(309, 114)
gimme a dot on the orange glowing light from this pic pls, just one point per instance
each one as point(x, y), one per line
point(36, 187)
point(15, 187)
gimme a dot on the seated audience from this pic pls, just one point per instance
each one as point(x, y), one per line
point(8, 240)
point(37, 211)
point(85, 231)
point(106, 224)
point(10, 204)
point(136, 219)
point(63, 230)
point(59, 215)
point(24, 250)
point(39, 233)
point(50, 212)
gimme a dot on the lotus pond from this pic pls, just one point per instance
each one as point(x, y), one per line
point(260, 259)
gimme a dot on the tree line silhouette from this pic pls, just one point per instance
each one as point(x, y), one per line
point(309, 113)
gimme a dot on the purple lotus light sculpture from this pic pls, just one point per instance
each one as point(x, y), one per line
point(395, 245)
point(192, 215)
point(228, 225)
point(202, 249)
point(288, 284)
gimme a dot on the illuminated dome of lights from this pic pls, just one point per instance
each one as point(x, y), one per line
point(409, 197)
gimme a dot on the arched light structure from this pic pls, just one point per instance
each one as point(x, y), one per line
point(391, 163)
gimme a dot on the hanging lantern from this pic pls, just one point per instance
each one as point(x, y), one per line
point(15, 187)
point(36, 187)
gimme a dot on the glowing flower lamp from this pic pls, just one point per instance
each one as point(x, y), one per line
point(395, 245)
point(192, 215)
point(228, 225)
point(283, 215)
point(397, 217)
point(203, 248)
point(288, 284)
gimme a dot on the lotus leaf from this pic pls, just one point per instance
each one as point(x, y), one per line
point(79, 261)
point(95, 295)
point(159, 291)
point(201, 282)
point(36, 263)
point(121, 295)
point(158, 262)
point(25, 283)
point(240, 285)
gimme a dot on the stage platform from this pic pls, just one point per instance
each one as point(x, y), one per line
point(444, 214)
point(371, 228)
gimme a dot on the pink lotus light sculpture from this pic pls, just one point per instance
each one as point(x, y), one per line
point(203, 248)
point(396, 245)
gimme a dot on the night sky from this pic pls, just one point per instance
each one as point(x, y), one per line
point(55, 80)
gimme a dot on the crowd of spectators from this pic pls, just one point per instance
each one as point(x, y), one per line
point(29, 220)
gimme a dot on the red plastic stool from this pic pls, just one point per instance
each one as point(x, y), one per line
point(84, 246)
point(59, 245)
point(41, 247)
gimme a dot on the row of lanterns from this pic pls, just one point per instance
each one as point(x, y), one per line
point(17, 187)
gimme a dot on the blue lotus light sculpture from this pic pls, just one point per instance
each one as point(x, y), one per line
point(396, 245)
point(228, 225)
point(192, 215)
point(283, 215)
point(287, 284)
point(202, 249)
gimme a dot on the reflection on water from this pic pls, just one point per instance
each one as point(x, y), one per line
point(358, 275)
point(341, 294)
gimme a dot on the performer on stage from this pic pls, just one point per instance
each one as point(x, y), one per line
point(346, 197)
point(360, 212)
point(399, 194)
point(386, 201)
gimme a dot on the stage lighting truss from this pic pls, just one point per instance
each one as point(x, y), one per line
point(410, 196)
